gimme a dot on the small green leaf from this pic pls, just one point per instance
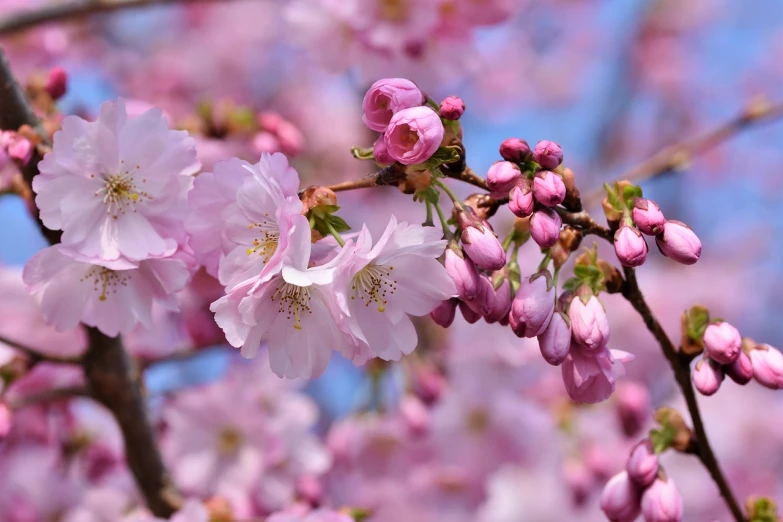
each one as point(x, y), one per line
point(362, 153)
point(445, 155)
point(338, 223)
point(572, 284)
point(762, 510)
point(662, 438)
point(613, 196)
point(429, 194)
point(630, 193)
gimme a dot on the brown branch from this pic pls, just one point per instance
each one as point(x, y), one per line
point(35, 355)
point(110, 378)
point(681, 366)
point(47, 396)
point(22, 20)
point(677, 156)
point(584, 223)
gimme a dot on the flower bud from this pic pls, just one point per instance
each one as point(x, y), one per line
point(463, 272)
point(315, 196)
point(501, 304)
point(545, 227)
point(548, 188)
point(589, 324)
point(741, 370)
point(428, 382)
point(56, 82)
point(385, 98)
point(723, 342)
point(485, 297)
point(630, 246)
point(707, 376)
point(516, 150)
point(533, 305)
point(521, 200)
point(452, 108)
point(661, 502)
point(579, 481)
point(767, 366)
point(647, 216)
point(413, 135)
point(381, 153)
point(678, 242)
point(555, 341)
point(642, 465)
point(480, 243)
point(469, 315)
point(308, 487)
point(502, 177)
point(415, 415)
point(633, 407)
point(620, 499)
point(444, 313)
point(548, 154)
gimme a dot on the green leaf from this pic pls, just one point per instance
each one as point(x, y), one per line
point(338, 223)
point(697, 319)
point(362, 153)
point(613, 196)
point(630, 193)
point(763, 510)
point(572, 284)
point(429, 194)
point(445, 155)
point(662, 438)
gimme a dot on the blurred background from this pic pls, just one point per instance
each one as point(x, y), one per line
point(613, 82)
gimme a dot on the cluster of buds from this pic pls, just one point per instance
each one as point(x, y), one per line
point(643, 488)
point(412, 131)
point(631, 215)
point(530, 181)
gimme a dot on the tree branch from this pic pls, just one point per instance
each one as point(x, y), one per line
point(28, 19)
point(585, 223)
point(35, 355)
point(682, 373)
point(47, 396)
point(110, 378)
point(677, 156)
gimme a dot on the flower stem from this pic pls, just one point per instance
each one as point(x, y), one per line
point(428, 221)
point(443, 222)
point(457, 202)
point(334, 233)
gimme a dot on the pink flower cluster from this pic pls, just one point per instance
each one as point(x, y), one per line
point(727, 353)
point(116, 187)
point(643, 489)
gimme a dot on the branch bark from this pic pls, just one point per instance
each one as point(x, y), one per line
point(110, 377)
point(28, 19)
point(35, 355)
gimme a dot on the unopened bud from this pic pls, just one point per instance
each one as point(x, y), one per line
point(630, 246)
point(548, 154)
point(620, 499)
point(767, 366)
point(480, 243)
point(741, 370)
point(545, 227)
point(707, 376)
point(516, 150)
point(502, 177)
point(444, 313)
point(647, 216)
point(452, 108)
point(679, 242)
point(589, 324)
point(463, 272)
point(723, 342)
point(548, 188)
point(533, 305)
point(520, 200)
point(56, 82)
point(485, 297)
point(642, 465)
point(381, 153)
point(555, 341)
point(501, 304)
point(661, 502)
point(469, 315)
point(633, 407)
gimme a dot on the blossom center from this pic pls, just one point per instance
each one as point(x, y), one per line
point(120, 194)
point(266, 244)
point(374, 284)
point(293, 301)
point(408, 136)
point(394, 10)
point(105, 280)
point(229, 440)
point(477, 420)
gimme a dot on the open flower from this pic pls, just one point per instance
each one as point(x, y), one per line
point(387, 97)
point(413, 135)
point(589, 376)
point(116, 186)
point(379, 286)
point(114, 301)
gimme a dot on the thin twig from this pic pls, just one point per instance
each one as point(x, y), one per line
point(584, 223)
point(36, 355)
point(22, 20)
point(682, 373)
point(47, 396)
point(679, 155)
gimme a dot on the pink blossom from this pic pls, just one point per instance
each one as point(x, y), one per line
point(679, 242)
point(555, 341)
point(378, 287)
point(548, 188)
point(533, 305)
point(381, 153)
point(589, 376)
point(620, 499)
point(741, 370)
point(56, 82)
point(642, 465)
point(387, 97)
point(633, 407)
point(116, 186)
point(521, 203)
point(767, 364)
point(545, 227)
point(413, 135)
point(548, 154)
point(501, 303)
point(722, 342)
point(479, 242)
point(463, 272)
point(647, 216)
point(452, 108)
point(445, 313)
point(661, 502)
point(630, 246)
point(502, 177)
point(589, 323)
point(484, 302)
point(516, 150)
point(16, 146)
point(113, 301)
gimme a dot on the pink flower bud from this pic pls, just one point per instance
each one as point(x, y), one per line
point(548, 154)
point(387, 97)
point(521, 200)
point(620, 499)
point(515, 149)
point(661, 502)
point(630, 246)
point(428, 383)
point(463, 272)
point(17, 146)
point(555, 341)
point(309, 488)
point(290, 138)
point(633, 407)
point(707, 376)
point(264, 141)
point(533, 306)
point(741, 370)
point(647, 216)
point(578, 480)
point(444, 313)
point(469, 315)
point(545, 227)
point(480, 243)
point(452, 108)
point(381, 153)
point(485, 297)
point(413, 135)
point(502, 177)
point(767, 366)
point(642, 465)
point(548, 188)
point(723, 342)
point(678, 242)
point(598, 460)
point(415, 415)
point(56, 82)
point(501, 304)
point(5, 420)
point(589, 324)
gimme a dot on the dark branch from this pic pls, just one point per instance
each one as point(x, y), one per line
point(35, 355)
